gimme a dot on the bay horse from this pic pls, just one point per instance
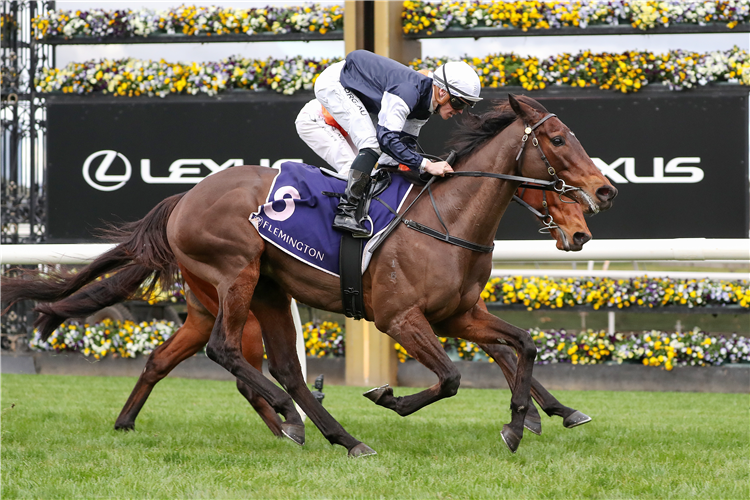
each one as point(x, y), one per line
point(569, 230)
point(413, 288)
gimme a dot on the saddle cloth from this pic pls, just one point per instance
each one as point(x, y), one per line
point(297, 216)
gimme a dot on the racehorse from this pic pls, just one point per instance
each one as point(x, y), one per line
point(413, 287)
point(564, 221)
point(568, 228)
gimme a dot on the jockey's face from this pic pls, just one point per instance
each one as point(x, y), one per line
point(446, 110)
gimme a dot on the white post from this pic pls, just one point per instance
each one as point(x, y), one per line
point(300, 339)
point(611, 322)
point(301, 355)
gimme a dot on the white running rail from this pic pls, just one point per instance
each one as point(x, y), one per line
point(628, 250)
point(505, 251)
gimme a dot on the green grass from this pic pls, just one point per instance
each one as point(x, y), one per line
point(200, 439)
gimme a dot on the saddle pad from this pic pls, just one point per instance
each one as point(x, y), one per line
point(297, 216)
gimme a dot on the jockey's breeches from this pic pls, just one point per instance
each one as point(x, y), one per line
point(325, 140)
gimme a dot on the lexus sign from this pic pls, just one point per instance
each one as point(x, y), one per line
point(679, 160)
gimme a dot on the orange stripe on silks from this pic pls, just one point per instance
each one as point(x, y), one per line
point(330, 120)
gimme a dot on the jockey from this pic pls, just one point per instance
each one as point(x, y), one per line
point(403, 100)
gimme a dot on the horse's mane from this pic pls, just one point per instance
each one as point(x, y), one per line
point(475, 130)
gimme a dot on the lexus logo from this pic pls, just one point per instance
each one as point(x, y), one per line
point(109, 166)
point(103, 180)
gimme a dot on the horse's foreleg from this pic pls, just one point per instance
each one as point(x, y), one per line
point(506, 358)
point(414, 333)
point(225, 348)
point(481, 327)
point(186, 341)
point(271, 305)
point(252, 350)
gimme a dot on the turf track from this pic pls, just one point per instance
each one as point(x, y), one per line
point(200, 439)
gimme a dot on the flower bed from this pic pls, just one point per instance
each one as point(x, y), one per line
point(653, 348)
point(434, 17)
point(134, 77)
point(626, 72)
point(128, 339)
point(556, 293)
point(124, 339)
point(327, 339)
point(324, 339)
point(188, 20)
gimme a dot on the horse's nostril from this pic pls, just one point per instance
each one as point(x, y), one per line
point(606, 193)
point(581, 238)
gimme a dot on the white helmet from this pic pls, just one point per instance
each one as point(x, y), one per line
point(459, 80)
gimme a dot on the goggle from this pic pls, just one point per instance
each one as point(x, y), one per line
point(456, 102)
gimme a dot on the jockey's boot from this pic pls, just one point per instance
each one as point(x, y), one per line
point(346, 213)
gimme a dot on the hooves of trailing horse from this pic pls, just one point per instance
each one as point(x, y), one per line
point(361, 450)
point(125, 426)
point(575, 419)
point(534, 424)
point(510, 438)
point(375, 394)
point(295, 432)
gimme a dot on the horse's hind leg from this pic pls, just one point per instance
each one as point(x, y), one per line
point(414, 333)
point(252, 350)
point(225, 347)
point(188, 340)
point(271, 305)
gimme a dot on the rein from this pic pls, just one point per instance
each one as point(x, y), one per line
point(556, 184)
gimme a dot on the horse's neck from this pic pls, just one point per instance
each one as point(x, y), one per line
point(473, 206)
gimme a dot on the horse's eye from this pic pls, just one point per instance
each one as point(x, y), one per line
point(558, 141)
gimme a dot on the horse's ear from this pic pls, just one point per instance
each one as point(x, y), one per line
point(527, 113)
point(515, 104)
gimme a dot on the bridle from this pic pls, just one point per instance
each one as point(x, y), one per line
point(548, 223)
point(556, 184)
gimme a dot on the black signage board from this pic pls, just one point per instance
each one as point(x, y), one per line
point(678, 159)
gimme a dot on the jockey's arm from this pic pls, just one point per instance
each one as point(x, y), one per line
point(393, 124)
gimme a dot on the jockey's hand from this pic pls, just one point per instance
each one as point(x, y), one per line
point(439, 168)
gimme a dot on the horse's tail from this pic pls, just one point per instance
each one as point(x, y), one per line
point(143, 252)
point(94, 297)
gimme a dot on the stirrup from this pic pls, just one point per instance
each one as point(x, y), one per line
point(372, 228)
point(352, 229)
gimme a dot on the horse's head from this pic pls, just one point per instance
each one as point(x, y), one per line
point(565, 220)
point(565, 155)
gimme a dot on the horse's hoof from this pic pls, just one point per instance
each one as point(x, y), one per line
point(125, 427)
point(533, 424)
point(361, 450)
point(375, 394)
point(510, 438)
point(295, 432)
point(575, 419)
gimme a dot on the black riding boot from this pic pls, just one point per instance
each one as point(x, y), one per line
point(346, 213)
